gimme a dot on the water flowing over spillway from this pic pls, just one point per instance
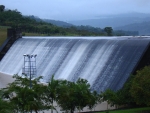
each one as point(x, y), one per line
point(105, 63)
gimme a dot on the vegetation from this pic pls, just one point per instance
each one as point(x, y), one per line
point(69, 95)
point(72, 96)
point(140, 88)
point(52, 92)
point(3, 34)
point(134, 93)
point(33, 25)
point(108, 30)
point(76, 95)
point(2, 7)
point(23, 98)
point(15, 19)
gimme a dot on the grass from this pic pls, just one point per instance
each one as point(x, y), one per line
point(134, 110)
point(3, 34)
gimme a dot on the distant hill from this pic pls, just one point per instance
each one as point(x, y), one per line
point(35, 25)
point(143, 28)
point(54, 22)
point(118, 31)
point(46, 27)
point(58, 23)
point(114, 20)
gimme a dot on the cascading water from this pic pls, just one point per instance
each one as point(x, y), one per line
point(105, 63)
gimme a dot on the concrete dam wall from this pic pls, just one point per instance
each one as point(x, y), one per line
point(105, 62)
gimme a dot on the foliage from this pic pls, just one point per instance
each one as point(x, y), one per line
point(69, 95)
point(52, 92)
point(15, 19)
point(140, 88)
point(3, 34)
point(120, 97)
point(32, 24)
point(108, 30)
point(23, 98)
point(123, 95)
point(109, 96)
point(2, 7)
point(134, 92)
point(75, 95)
point(5, 107)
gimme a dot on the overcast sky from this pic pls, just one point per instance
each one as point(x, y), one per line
point(67, 10)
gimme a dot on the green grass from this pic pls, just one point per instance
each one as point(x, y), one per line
point(3, 34)
point(135, 110)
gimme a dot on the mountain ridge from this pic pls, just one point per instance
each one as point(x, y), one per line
point(143, 28)
point(114, 20)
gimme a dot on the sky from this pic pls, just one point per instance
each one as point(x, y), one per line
point(67, 10)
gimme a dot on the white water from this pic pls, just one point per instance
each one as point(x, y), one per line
point(104, 62)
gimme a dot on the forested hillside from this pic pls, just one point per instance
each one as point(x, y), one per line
point(15, 19)
point(143, 28)
point(34, 26)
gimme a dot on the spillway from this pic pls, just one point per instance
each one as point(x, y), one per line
point(104, 62)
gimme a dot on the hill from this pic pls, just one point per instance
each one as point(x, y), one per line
point(35, 25)
point(58, 23)
point(54, 22)
point(15, 19)
point(143, 28)
point(114, 20)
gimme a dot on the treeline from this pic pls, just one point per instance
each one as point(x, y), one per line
point(15, 19)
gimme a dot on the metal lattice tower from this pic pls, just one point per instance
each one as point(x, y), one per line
point(29, 67)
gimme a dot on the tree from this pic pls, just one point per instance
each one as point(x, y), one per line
point(2, 7)
point(123, 95)
point(51, 92)
point(24, 98)
point(108, 30)
point(5, 106)
point(65, 96)
point(75, 95)
point(109, 96)
point(69, 95)
point(88, 98)
point(140, 88)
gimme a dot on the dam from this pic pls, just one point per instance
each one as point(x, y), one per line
point(106, 62)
